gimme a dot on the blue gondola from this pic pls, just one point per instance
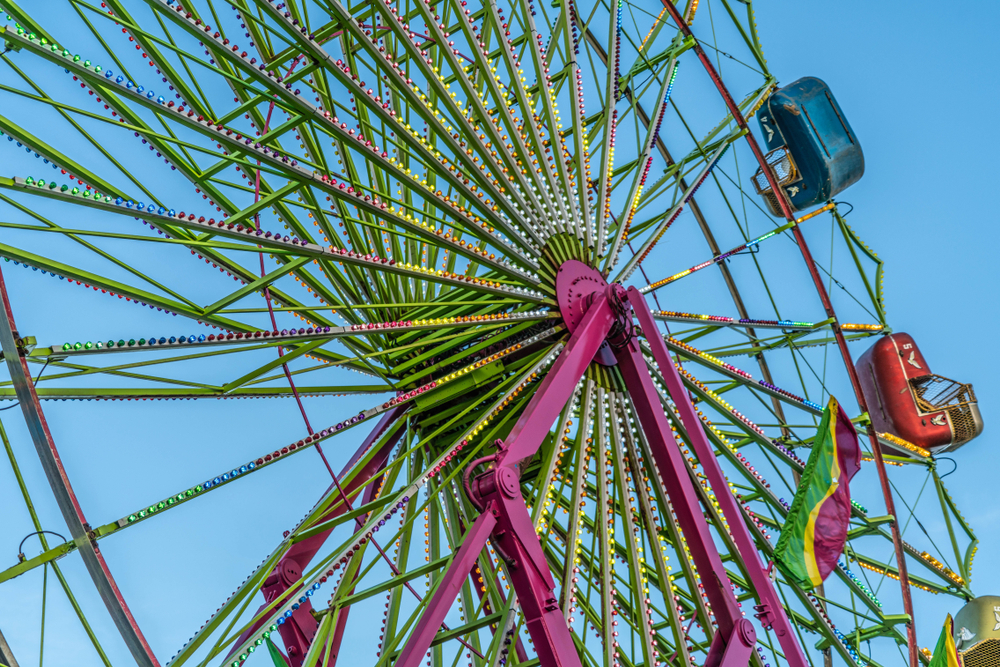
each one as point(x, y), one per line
point(810, 144)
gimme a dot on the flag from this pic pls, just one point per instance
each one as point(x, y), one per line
point(945, 654)
point(815, 530)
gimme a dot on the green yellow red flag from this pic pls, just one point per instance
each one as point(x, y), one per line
point(815, 531)
point(945, 654)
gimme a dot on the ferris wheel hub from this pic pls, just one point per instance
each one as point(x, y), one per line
point(576, 286)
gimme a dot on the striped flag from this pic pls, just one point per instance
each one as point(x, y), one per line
point(945, 654)
point(815, 530)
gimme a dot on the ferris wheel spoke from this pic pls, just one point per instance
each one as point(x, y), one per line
point(795, 340)
point(628, 484)
point(609, 130)
point(187, 394)
point(604, 528)
point(549, 124)
point(210, 255)
point(661, 228)
point(576, 476)
point(715, 321)
point(259, 340)
point(643, 163)
point(668, 528)
point(405, 87)
point(751, 246)
point(510, 153)
point(327, 184)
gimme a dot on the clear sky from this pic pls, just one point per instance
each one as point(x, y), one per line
point(918, 82)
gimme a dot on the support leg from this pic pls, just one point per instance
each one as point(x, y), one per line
point(499, 492)
point(682, 495)
point(444, 596)
point(772, 612)
point(533, 583)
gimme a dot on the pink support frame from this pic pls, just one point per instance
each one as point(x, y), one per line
point(504, 518)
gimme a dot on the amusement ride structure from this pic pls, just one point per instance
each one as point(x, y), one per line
point(470, 214)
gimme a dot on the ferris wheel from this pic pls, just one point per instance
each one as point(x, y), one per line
point(544, 249)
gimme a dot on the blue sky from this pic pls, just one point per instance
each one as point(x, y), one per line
point(918, 84)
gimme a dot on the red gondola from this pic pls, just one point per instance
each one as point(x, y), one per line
point(906, 400)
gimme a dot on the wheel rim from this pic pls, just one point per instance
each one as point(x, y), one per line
point(448, 173)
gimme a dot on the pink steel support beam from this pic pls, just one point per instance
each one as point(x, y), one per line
point(498, 493)
point(771, 612)
point(447, 590)
point(676, 480)
point(557, 387)
point(515, 537)
point(297, 634)
point(852, 373)
point(506, 523)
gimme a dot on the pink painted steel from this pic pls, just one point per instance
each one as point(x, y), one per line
point(557, 387)
point(576, 287)
point(677, 482)
point(515, 537)
point(498, 492)
point(506, 523)
point(772, 613)
point(446, 592)
point(288, 571)
point(476, 576)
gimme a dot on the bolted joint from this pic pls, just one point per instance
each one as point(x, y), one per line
point(508, 482)
point(496, 480)
point(763, 614)
point(746, 633)
point(623, 330)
